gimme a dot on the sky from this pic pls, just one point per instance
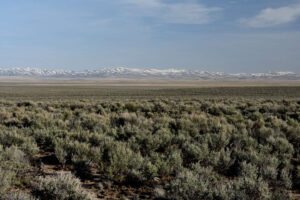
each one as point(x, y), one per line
point(214, 35)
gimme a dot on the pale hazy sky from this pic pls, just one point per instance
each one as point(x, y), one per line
point(213, 35)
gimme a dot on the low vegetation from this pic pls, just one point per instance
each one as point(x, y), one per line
point(191, 148)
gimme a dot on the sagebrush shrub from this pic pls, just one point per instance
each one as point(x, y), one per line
point(208, 148)
point(17, 195)
point(6, 178)
point(63, 186)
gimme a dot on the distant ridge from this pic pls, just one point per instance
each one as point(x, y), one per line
point(130, 73)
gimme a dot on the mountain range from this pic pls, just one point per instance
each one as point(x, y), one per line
point(130, 73)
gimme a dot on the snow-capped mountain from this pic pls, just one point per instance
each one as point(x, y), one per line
point(130, 73)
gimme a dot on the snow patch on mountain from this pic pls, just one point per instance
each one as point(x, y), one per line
point(131, 73)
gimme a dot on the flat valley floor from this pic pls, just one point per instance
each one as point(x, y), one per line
point(62, 89)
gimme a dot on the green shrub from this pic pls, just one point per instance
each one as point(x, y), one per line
point(188, 185)
point(13, 160)
point(24, 142)
point(195, 152)
point(63, 186)
point(6, 178)
point(17, 195)
point(13, 163)
point(60, 152)
point(199, 183)
point(131, 107)
point(251, 188)
point(119, 160)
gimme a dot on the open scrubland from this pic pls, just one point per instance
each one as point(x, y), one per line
point(72, 141)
